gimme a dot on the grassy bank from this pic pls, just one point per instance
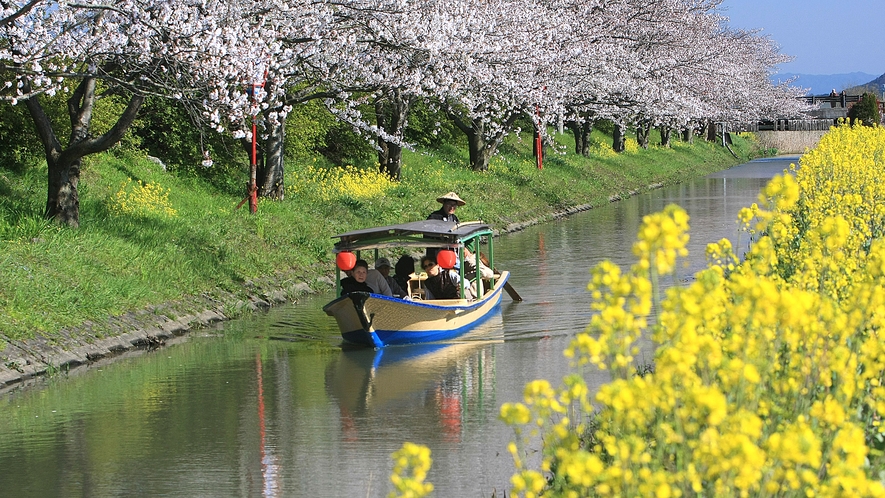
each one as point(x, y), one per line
point(150, 237)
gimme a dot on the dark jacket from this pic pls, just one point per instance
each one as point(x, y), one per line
point(438, 215)
point(405, 266)
point(443, 286)
point(349, 284)
point(441, 215)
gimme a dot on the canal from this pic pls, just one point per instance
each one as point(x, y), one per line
point(272, 405)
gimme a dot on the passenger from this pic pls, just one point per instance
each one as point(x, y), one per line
point(405, 267)
point(485, 272)
point(356, 282)
point(376, 281)
point(449, 202)
point(440, 283)
point(383, 267)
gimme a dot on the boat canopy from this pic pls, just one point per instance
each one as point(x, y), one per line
point(419, 234)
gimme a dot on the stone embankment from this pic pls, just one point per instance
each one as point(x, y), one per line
point(144, 329)
point(789, 142)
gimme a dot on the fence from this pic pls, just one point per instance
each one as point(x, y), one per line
point(785, 125)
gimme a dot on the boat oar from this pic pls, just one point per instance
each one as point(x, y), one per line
point(512, 292)
point(507, 287)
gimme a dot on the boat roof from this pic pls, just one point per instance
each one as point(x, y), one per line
point(425, 233)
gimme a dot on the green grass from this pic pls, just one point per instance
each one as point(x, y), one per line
point(56, 278)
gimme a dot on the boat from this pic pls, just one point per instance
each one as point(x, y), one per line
point(376, 320)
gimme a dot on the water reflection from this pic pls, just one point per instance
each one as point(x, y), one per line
point(425, 382)
point(269, 466)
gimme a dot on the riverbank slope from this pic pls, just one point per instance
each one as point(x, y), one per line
point(161, 253)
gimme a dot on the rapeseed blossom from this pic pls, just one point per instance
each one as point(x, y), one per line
point(142, 199)
point(337, 183)
point(768, 376)
point(411, 463)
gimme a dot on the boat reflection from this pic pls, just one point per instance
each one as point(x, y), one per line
point(431, 384)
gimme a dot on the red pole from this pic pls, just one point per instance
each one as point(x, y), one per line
point(253, 174)
point(540, 151)
point(252, 186)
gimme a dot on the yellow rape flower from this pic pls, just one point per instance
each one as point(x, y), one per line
point(768, 371)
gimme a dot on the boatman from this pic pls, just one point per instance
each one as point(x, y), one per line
point(449, 202)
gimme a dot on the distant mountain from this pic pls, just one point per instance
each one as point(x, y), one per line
point(822, 84)
point(877, 87)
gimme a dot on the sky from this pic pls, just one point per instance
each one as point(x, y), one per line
point(825, 37)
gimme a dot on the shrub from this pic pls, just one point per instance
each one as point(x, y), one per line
point(428, 126)
point(865, 111)
point(20, 142)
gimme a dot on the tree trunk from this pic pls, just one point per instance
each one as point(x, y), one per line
point(394, 162)
point(380, 120)
point(271, 171)
point(586, 130)
point(482, 149)
point(665, 136)
point(392, 117)
point(642, 131)
point(63, 178)
point(688, 134)
point(711, 131)
point(575, 128)
point(581, 130)
point(63, 198)
point(619, 138)
point(270, 162)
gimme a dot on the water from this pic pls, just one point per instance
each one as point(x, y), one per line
point(271, 405)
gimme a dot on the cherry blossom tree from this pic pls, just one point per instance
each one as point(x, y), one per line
point(500, 67)
point(667, 63)
point(94, 49)
point(12, 11)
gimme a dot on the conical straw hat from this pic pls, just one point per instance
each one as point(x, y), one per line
point(451, 196)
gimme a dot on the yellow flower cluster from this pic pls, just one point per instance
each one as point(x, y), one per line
point(631, 146)
point(411, 463)
point(142, 199)
point(602, 150)
point(768, 377)
point(337, 183)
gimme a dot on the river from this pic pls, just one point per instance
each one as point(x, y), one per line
point(272, 405)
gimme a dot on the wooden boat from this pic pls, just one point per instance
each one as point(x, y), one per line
point(376, 320)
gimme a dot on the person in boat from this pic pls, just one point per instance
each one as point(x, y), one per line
point(405, 267)
point(383, 267)
point(440, 283)
point(376, 280)
point(450, 202)
point(356, 282)
point(485, 272)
